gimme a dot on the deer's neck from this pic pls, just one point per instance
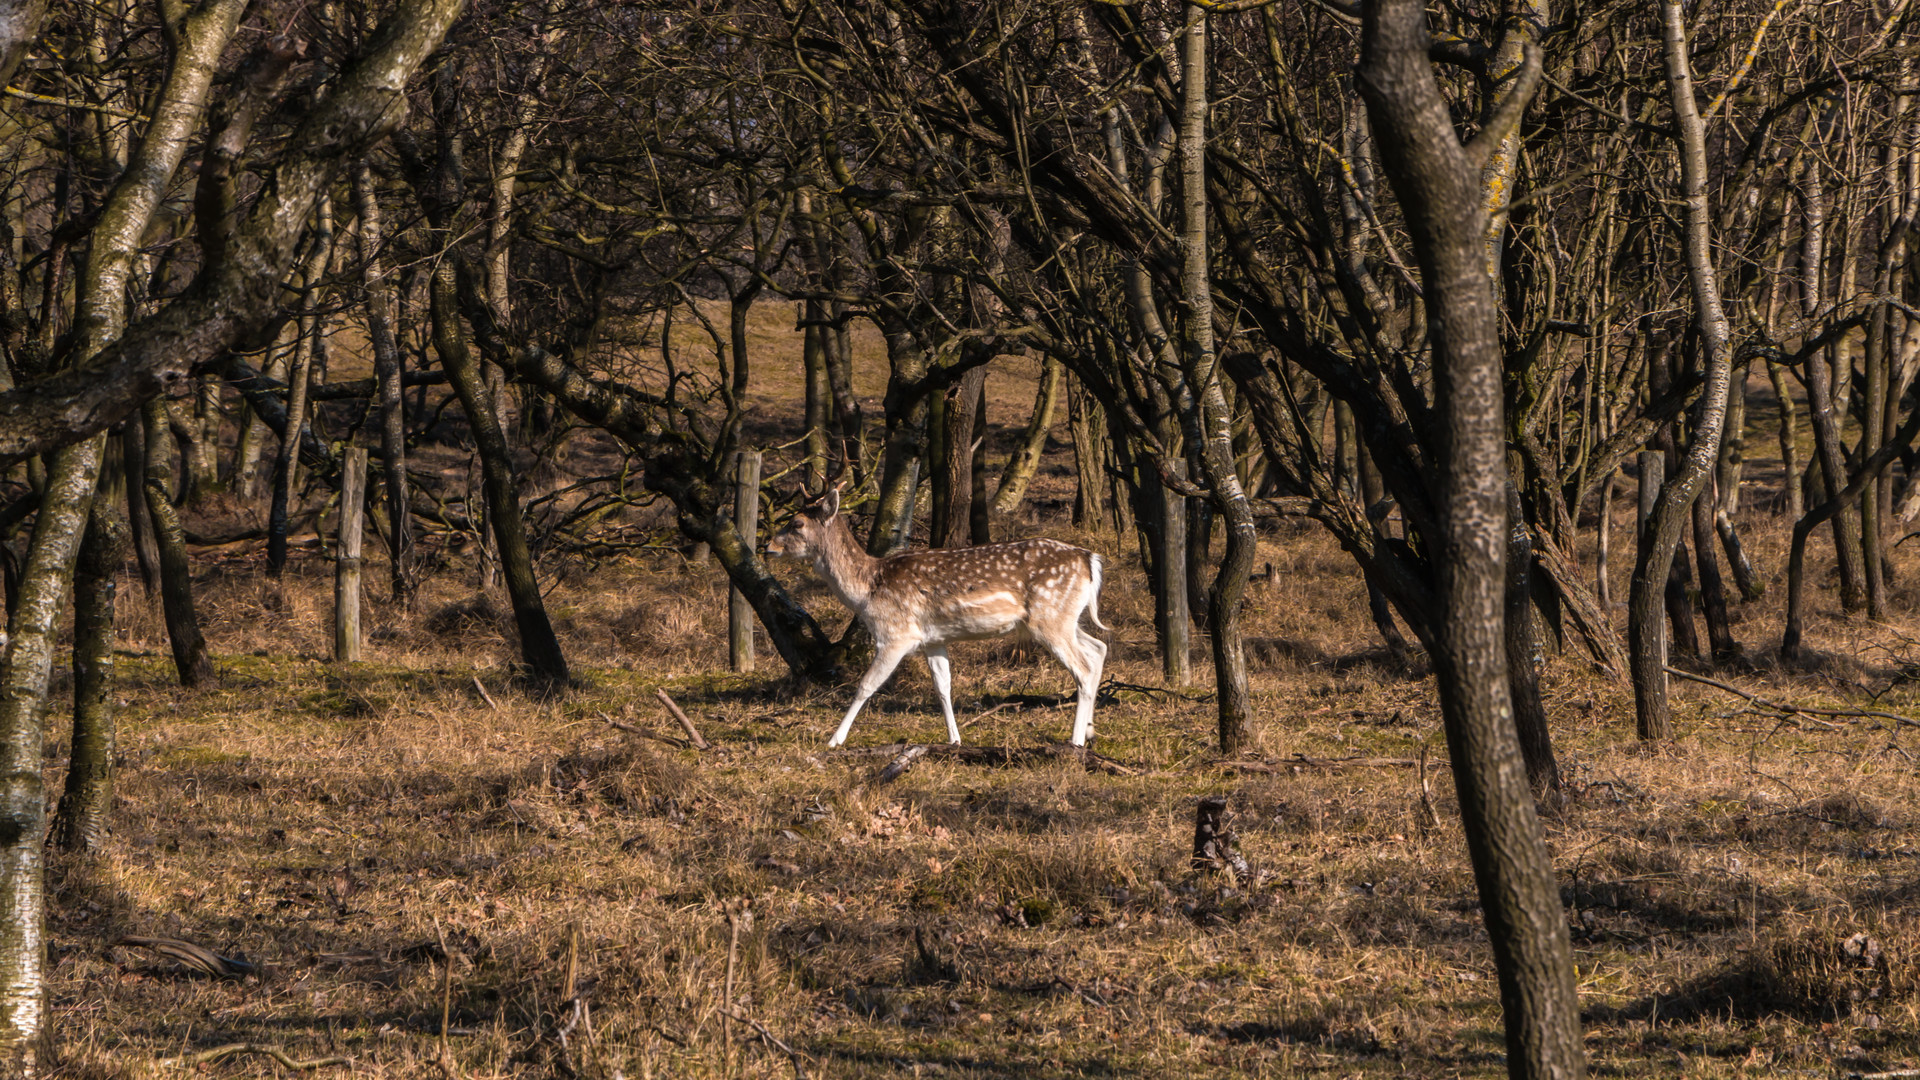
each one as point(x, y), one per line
point(847, 566)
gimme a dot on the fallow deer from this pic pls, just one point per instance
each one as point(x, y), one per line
point(921, 600)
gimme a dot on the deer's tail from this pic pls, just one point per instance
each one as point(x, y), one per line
point(1093, 601)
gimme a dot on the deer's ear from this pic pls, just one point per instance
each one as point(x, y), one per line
point(831, 504)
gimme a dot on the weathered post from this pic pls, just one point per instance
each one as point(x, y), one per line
point(746, 518)
point(346, 574)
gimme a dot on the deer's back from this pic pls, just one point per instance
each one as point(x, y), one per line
point(983, 591)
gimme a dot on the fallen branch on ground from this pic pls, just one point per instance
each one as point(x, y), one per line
point(1793, 710)
point(693, 733)
point(794, 1056)
point(195, 957)
point(633, 729)
point(274, 1052)
point(1301, 761)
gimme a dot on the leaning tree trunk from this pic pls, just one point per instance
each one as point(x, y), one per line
point(546, 664)
point(1523, 649)
point(190, 657)
point(81, 819)
point(1646, 639)
point(1438, 185)
point(1025, 461)
point(23, 697)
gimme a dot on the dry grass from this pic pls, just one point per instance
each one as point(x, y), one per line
point(1040, 921)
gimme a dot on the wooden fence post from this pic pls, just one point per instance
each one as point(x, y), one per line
point(346, 577)
point(746, 518)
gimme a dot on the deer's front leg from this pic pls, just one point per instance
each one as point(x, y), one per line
point(886, 657)
point(942, 672)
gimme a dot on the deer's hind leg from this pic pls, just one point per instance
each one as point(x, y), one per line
point(942, 672)
point(886, 657)
point(1084, 656)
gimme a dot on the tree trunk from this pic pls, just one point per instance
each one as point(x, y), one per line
point(1713, 591)
point(1744, 578)
point(1733, 445)
point(87, 800)
point(1523, 659)
point(382, 331)
point(1232, 696)
point(979, 504)
point(1372, 493)
point(1025, 461)
point(133, 458)
point(1827, 447)
point(539, 648)
point(1438, 185)
point(1873, 536)
point(23, 696)
point(813, 354)
point(1646, 647)
point(1088, 430)
point(1199, 552)
point(1602, 578)
point(1165, 530)
point(953, 468)
point(909, 428)
point(308, 340)
point(190, 657)
point(1793, 497)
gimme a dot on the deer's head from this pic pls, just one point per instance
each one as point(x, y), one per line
point(806, 534)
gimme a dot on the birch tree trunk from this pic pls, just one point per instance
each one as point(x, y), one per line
point(1646, 633)
point(23, 693)
point(1231, 693)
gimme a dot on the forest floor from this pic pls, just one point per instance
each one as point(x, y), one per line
point(437, 874)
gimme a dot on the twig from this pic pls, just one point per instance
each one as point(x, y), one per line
point(726, 1003)
point(1793, 710)
point(693, 733)
point(995, 709)
point(488, 698)
point(794, 1056)
point(1429, 817)
point(643, 732)
point(274, 1052)
point(900, 764)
